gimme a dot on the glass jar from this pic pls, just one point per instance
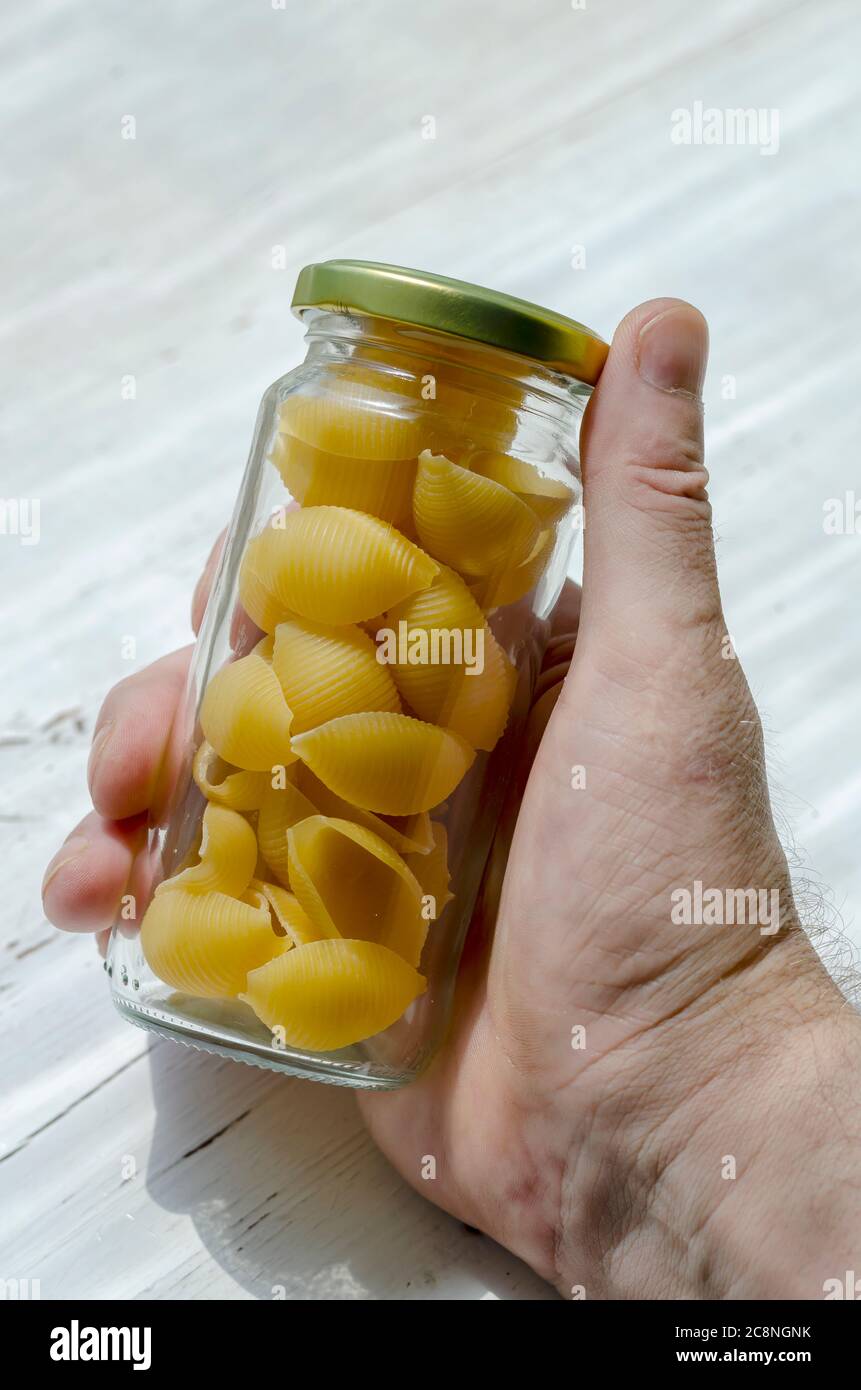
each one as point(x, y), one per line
point(361, 679)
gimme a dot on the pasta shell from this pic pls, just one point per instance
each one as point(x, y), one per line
point(352, 884)
point(228, 855)
point(279, 810)
point(325, 672)
point(245, 717)
point(467, 521)
point(336, 566)
point(331, 994)
point(406, 834)
point(381, 486)
point(448, 665)
point(508, 585)
point(205, 943)
point(431, 870)
point(239, 791)
point(291, 915)
point(359, 421)
point(548, 498)
point(262, 608)
point(388, 763)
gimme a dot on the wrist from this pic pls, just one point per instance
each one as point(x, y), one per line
point(723, 1162)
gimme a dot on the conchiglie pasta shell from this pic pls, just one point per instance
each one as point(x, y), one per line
point(508, 585)
point(291, 916)
point(261, 607)
point(352, 884)
point(336, 566)
point(204, 944)
point(381, 486)
point(245, 717)
point(279, 810)
point(239, 791)
point(228, 854)
point(467, 521)
point(331, 994)
point(406, 834)
point(325, 672)
point(548, 498)
point(359, 421)
point(432, 872)
point(454, 672)
point(388, 763)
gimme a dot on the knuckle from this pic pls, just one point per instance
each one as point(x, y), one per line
point(667, 474)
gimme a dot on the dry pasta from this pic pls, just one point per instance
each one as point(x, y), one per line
point(462, 679)
point(548, 498)
point(332, 993)
point(334, 565)
point(228, 854)
point(388, 763)
point(245, 717)
point(469, 522)
point(352, 884)
point(204, 944)
point(239, 791)
point(325, 672)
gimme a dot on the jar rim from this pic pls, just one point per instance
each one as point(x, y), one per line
point(421, 299)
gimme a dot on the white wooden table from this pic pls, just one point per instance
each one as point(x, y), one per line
point(152, 259)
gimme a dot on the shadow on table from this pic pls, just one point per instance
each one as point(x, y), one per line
point(291, 1199)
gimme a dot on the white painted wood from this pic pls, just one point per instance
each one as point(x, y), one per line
point(258, 127)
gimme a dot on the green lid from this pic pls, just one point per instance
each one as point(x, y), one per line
point(420, 299)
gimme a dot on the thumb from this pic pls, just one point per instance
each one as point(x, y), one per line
point(649, 565)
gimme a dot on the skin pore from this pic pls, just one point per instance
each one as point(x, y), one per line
point(638, 1107)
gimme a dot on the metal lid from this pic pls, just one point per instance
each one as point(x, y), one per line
point(420, 299)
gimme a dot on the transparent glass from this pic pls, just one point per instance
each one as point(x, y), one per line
point(402, 533)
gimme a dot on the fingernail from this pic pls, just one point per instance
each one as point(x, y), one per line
point(673, 349)
point(68, 852)
point(100, 742)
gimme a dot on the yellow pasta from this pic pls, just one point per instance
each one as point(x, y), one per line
point(505, 586)
point(245, 717)
point(388, 763)
point(334, 565)
point(431, 870)
point(448, 665)
point(467, 521)
point(291, 916)
point(406, 834)
point(325, 672)
point(381, 486)
point(204, 944)
point(474, 403)
point(228, 854)
point(361, 421)
point(333, 993)
point(548, 498)
point(280, 808)
point(239, 791)
point(352, 884)
point(261, 607)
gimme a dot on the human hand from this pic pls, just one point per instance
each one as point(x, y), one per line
point(604, 1165)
